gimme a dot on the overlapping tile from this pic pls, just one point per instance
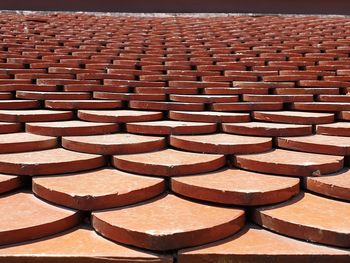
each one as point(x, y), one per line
point(171, 127)
point(229, 110)
point(267, 129)
point(119, 115)
point(34, 115)
point(290, 163)
point(317, 143)
point(294, 117)
point(25, 142)
point(167, 223)
point(209, 116)
point(97, 189)
point(309, 217)
point(9, 182)
point(82, 104)
point(336, 129)
point(109, 144)
point(8, 127)
point(238, 187)
point(255, 244)
point(22, 218)
point(50, 161)
point(335, 185)
point(81, 244)
point(168, 162)
point(221, 143)
point(70, 128)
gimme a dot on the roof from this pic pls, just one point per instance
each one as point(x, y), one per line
point(174, 139)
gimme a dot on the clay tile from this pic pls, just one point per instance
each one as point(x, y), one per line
point(255, 244)
point(318, 223)
point(168, 223)
point(29, 223)
point(239, 187)
point(97, 189)
point(291, 163)
point(81, 244)
point(168, 162)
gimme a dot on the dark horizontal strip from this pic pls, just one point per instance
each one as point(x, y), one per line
point(185, 6)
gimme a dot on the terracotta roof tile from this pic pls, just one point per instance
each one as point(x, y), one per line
point(317, 143)
point(306, 217)
point(30, 222)
point(334, 185)
point(71, 128)
point(335, 129)
point(97, 189)
point(255, 244)
point(171, 127)
point(109, 144)
point(9, 182)
point(81, 244)
point(292, 163)
point(168, 162)
point(25, 142)
point(221, 143)
point(186, 128)
point(168, 223)
point(238, 187)
point(48, 162)
point(34, 115)
point(267, 129)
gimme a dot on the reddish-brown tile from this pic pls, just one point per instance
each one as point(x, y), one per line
point(267, 129)
point(8, 127)
point(344, 115)
point(128, 96)
point(182, 76)
point(48, 162)
point(239, 187)
point(333, 98)
point(34, 115)
point(299, 90)
point(97, 189)
point(119, 143)
point(25, 142)
point(276, 98)
point(71, 128)
point(82, 104)
point(168, 223)
point(255, 244)
point(294, 117)
point(170, 127)
point(209, 116)
point(204, 98)
point(221, 143)
point(309, 217)
point(77, 245)
point(334, 185)
point(6, 96)
point(42, 95)
point(334, 129)
point(321, 106)
point(119, 115)
point(317, 143)
point(25, 217)
point(291, 163)
point(236, 91)
point(156, 105)
point(9, 182)
point(247, 106)
point(168, 163)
